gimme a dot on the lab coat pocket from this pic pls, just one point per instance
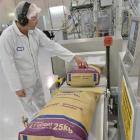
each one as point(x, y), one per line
point(20, 52)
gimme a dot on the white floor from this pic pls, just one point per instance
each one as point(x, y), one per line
point(10, 109)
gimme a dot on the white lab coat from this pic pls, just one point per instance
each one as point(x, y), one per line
point(19, 56)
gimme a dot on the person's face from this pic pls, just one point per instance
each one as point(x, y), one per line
point(32, 22)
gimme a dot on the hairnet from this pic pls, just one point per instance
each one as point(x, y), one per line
point(33, 10)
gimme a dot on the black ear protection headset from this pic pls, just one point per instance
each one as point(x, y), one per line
point(22, 18)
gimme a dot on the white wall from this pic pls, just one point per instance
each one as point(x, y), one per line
point(6, 6)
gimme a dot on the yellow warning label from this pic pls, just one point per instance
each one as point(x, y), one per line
point(127, 111)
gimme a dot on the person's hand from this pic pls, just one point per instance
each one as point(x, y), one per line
point(80, 62)
point(21, 93)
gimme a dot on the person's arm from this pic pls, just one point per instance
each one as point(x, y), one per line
point(60, 51)
point(8, 65)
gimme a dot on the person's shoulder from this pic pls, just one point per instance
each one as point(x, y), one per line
point(8, 32)
point(37, 30)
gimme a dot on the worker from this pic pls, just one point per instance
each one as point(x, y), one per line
point(19, 47)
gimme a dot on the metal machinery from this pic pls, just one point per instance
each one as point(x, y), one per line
point(129, 105)
point(129, 85)
point(132, 55)
point(126, 20)
point(130, 8)
point(95, 45)
point(85, 19)
point(93, 18)
point(104, 22)
point(82, 18)
point(93, 51)
point(105, 16)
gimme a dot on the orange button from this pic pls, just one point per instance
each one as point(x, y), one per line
point(108, 40)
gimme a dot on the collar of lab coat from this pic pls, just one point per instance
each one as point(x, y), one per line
point(18, 31)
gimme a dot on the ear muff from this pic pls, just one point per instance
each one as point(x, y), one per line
point(22, 18)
